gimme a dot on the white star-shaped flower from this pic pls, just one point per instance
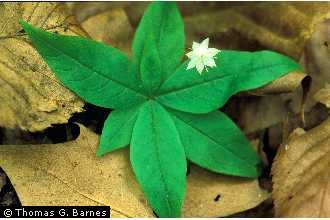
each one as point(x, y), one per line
point(202, 56)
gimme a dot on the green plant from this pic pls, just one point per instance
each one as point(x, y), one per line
point(166, 112)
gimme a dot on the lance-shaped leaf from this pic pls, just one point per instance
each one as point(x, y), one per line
point(214, 142)
point(236, 71)
point(150, 66)
point(117, 130)
point(97, 73)
point(164, 22)
point(158, 160)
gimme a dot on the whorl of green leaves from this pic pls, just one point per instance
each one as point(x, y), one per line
point(163, 111)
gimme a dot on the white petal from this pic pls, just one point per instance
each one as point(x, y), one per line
point(201, 56)
point(191, 64)
point(213, 51)
point(205, 43)
point(190, 54)
point(195, 45)
point(210, 62)
point(200, 67)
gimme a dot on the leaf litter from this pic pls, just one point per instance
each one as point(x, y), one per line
point(31, 97)
point(70, 174)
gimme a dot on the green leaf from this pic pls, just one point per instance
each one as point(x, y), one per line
point(164, 22)
point(214, 142)
point(150, 66)
point(158, 160)
point(236, 71)
point(117, 130)
point(97, 73)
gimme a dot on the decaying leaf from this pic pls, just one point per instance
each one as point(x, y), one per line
point(284, 96)
point(323, 95)
point(71, 174)
point(316, 60)
point(301, 174)
point(30, 95)
point(271, 104)
point(85, 10)
point(286, 84)
point(2, 180)
point(284, 27)
point(112, 27)
point(269, 110)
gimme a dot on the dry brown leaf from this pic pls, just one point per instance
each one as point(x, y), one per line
point(31, 97)
point(284, 27)
point(110, 27)
point(301, 174)
point(71, 174)
point(2, 180)
point(85, 10)
point(286, 84)
point(316, 61)
point(270, 104)
point(268, 111)
point(323, 95)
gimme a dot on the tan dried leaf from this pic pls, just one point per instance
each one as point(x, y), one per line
point(273, 103)
point(30, 95)
point(112, 27)
point(301, 174)
point(85, 10)
point(71, 174)
point(323, 95)
point(316, 61)
point(284, 27)
point(286, 84)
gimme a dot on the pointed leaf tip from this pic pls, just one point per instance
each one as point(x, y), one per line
point(22, 22)
point(99, 153)
point(155, 144)
point(214, 142)
point(100, 74)
point(25, 25)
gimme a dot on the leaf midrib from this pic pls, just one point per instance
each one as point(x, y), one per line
point(213, 140)
point(159, 39)
point(133, 117)
point(155, 137)
point(212, 80)
point(90, 68)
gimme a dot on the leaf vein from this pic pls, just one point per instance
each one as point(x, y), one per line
point(90, 69)
point(213, 140)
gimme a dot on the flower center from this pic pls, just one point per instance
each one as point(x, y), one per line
point(201, 51)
